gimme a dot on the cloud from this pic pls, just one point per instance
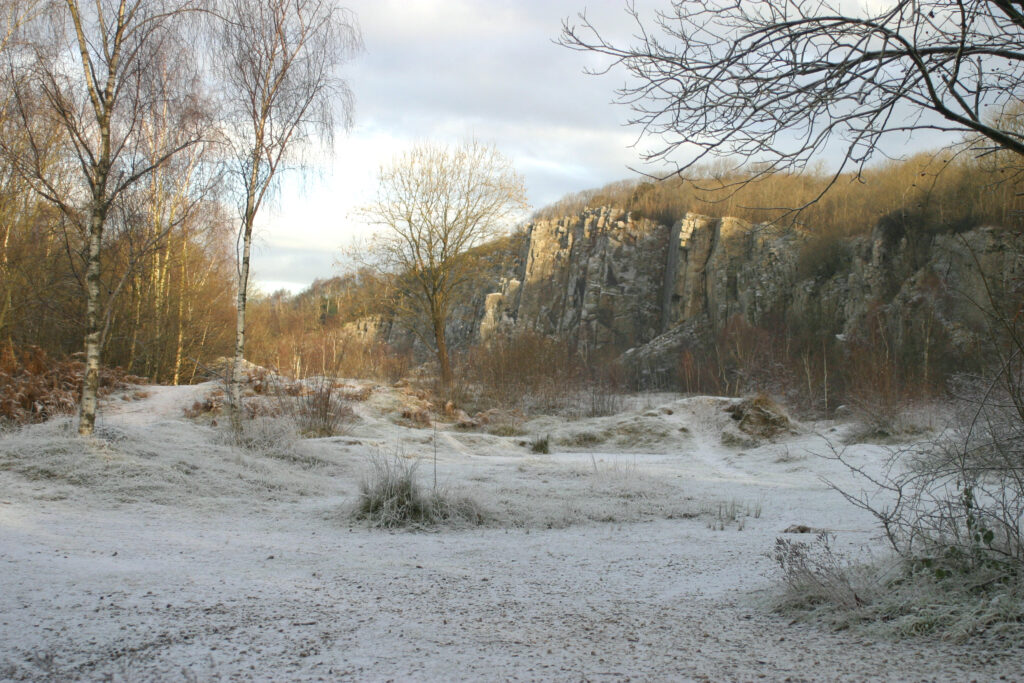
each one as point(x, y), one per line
point(444, 71)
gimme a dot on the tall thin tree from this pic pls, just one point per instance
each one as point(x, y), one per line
point(278, 64)
point(93, 70)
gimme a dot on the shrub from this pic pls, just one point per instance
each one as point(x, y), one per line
point(534, 373)
point(526, 371)
point(823, 257)
point(391, 496)
point(541, 444)
point(505, 429)
point(958, 504)
point(34, 386)
point(951, 510)
point(269, 435)
point(321, 411)
point(602, 399)
point(814, 573)
point(897, 599)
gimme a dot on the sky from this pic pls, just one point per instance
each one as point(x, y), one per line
point(445, 71)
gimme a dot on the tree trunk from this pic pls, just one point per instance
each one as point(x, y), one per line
point(237, 370)
point(91, 378)
point(5, 305)
point(180, 340)
point(137, 314)
point(442, 351)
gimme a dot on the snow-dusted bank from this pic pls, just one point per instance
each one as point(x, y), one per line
point(637, 548)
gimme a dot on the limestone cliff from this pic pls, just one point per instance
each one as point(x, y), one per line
point(593, 278)
point(605, 280)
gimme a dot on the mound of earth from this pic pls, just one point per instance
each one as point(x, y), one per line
point(761, 417)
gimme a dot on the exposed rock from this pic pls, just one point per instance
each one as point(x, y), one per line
point(592, 278)
point(604, 280)
point(464, 421)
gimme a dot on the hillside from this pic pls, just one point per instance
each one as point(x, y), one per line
point(873, 293)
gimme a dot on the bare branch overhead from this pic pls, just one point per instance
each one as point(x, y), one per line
point(777, 82)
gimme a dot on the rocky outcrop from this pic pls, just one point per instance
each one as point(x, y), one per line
point(602, 279)
point(605, 280)
point(592, 278)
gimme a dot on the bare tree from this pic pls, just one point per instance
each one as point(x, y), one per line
point(15, 196)
point(436, 204)
point(174, 201)
point(278, 66)
point(93, 70)
point(778, 81)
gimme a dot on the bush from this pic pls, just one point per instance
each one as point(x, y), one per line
point(823, 257)
point(814, 574)
point(534, 373)
point(391, 496)
point(321, 411)
point(34, 386)
point(526, 371)
point(899, 599)
point(541, 444)
point(268, 435)
point(602, 399)
point(957, 507)
point(952, 510)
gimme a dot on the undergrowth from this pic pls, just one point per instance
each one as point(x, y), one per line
point(35, 386)
point(391, 495)
point(897, 598)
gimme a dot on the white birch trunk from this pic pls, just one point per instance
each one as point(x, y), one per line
point(238, 369)
point(91, 377)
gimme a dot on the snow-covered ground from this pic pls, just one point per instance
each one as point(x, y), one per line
point(157, 551)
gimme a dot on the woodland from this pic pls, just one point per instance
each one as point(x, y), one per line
point(167, 290)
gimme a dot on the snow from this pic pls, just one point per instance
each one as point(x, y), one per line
point(158, 551)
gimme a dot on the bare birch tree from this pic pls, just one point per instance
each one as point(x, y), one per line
point(278, 64)
point(435, 205)
point(778, 82)
point(15, 196)
point(93, 70)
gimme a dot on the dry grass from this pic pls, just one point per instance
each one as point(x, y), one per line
point(895, 599)
point(391, 495)
point(321, 410)
point(814, 574)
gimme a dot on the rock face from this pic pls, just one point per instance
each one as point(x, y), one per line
point(592, 278)
point(606, 281)
point(602, 279)
point(718, 268)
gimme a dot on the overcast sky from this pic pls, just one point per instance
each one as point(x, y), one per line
point(444, 71)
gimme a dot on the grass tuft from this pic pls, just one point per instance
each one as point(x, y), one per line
point(541, 444)
point(896, 599)
point(392, 496)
